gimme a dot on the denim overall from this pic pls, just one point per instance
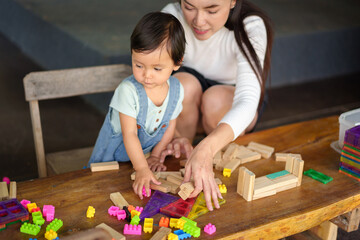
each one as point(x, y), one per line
point(110, 146)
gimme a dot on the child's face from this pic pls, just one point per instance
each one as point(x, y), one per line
point(206, 17)
point(152, 69)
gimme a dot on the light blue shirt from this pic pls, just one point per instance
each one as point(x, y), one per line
point(126, 101)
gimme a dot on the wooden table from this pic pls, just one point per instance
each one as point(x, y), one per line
point(281, 215)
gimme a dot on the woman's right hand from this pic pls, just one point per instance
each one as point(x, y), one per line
point(176, 147)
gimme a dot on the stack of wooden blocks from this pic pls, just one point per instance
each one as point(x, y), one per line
point(350, 154)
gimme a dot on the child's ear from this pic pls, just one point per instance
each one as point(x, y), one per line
point(177, 67)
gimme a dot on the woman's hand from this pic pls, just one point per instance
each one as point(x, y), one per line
point(200, 166)
point(155, 164)
point(143, 177)
point(178, 146)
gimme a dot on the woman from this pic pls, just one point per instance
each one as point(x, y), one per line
point(226, 63)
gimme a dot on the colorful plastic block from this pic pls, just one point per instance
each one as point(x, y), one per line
point(50, 235)
point(200, 208)
point(172, 236)
point(130, 208)
point(277, 174)
point(121, 215)
point(180, 223)
point(139, 209)
point(210, 229)
point(173, 222)
point(134, 212)
point(90, 212)
point(135, 220)
point(128, 215)
point(6, 179)
point(12, 211)
point(55, 225)
point(318, 176)
point(181, 234)
point(164, 222)
point(222, 188)
point(38, 218)
point(49, 212)
point(227, 172)
point(144, 192)
point(132, 229)
point(157, 201)
point(178, 208)
point(352, 136)
point(31, 206)
point(192, 230)
point(25, 202)
point(113, 210)
point(37, 209)
point(29, 228)
point(148, 225)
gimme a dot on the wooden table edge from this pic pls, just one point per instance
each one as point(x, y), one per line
point(298, 223)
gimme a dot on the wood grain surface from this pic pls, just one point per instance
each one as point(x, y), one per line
point(274, 217)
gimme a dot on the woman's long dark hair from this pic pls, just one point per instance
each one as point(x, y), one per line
point(235, 22)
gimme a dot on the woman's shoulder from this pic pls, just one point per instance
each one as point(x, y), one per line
point(254, 23)
point(173, 8)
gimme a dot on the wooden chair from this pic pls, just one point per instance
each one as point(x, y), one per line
point(67, 83)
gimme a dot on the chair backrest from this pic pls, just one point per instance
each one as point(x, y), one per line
point(67, 83)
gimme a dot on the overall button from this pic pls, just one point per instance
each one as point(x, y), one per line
point(163, 125)
point(160, 111)
point(157, 120)
point(155, 129)
point(138, 126)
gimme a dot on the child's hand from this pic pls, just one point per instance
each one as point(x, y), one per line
point(155, 164)
point(143, 177)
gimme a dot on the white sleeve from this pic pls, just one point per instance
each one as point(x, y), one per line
point(247, 86)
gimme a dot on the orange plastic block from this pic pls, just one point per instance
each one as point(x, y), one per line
point(130, 208)
point(164, 222)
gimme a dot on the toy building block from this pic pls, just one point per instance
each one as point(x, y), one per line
point(37, 209)
point(163, 187)
point(164, 222)
point(178, 180)
point(12, 190)
point(90, 212)
point(318, 176)
point(139, 209)
point(189, 221)
point(127, 214)
point(181, 234)
point(12, 211)
point(192, 230)
point(144, 192)
point(247, 155)
point(132, 229)
point(114, 234)
point(265, 151)
point(180, 223)
point(233, 164)
point(263, 187)
point(182, 171)
point(130, 207)
point(199, 208)
point(227, 172)
point(38, 218)
point(134, 213)
point(49, 212)
point(229, 154)
point(277, 174)
point(174, 188)
point(112, 211)
point(118, 199)
point(121, 214)
point(25, 202)
point(50, 235)
point(55, 225)
point(217, 158)
point(157, 201)
point(289, 163)
point(161, 234)
point(210, 229)
point(135, 220)
point(172, 236)
point(183, 162)
point(298, 169)
point(104, 166)
point(248, 185)
point(29, 228)
point(4, 193)
point(148, 225)
point(173, 222)
point(222, 188)
point(178, 208)
point(31, 206)
point(185, 190)
point(165, 174)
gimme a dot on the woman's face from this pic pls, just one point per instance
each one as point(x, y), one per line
point(206, 17)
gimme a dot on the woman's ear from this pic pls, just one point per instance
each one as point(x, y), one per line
point(232, 4)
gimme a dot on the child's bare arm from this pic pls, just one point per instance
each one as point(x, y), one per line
point(135, 153)
point(154, 160)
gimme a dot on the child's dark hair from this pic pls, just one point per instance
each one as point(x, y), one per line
point(156, 29)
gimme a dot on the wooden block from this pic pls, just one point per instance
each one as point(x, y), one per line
point(289, 165)
point(132, 176)
point(217, 158)
point(182, 171)
point(286, 187)
point(249, 181)
point(263, 184)
point(298, 169)
point(183, 162)
point(326, 231)
point(161, 234)
point(186, 189)
point(174, 179)
point(233, 164)
point(156, 174)
point(173, 187)
point(164, 175)
point(264, 150)
point(12, 189)
point(249, 157)
point(281, 157)
point(230, 152)
point(240, 183)
point(163, 187)
point(104, 166)
point(284, 180)
point(264, 194)
point(114, 234)
point(4, 193)
point(118, 200)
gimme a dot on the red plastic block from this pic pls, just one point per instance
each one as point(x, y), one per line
point(210, 229)
point(164, 222)
point(132, 229)
point(178, 209)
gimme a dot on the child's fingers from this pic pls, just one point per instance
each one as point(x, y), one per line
point(154, 180)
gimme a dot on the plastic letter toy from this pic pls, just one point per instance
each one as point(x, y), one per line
point(210, 229)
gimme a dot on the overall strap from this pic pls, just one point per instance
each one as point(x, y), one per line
point(143, 101)
point(174, 94)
